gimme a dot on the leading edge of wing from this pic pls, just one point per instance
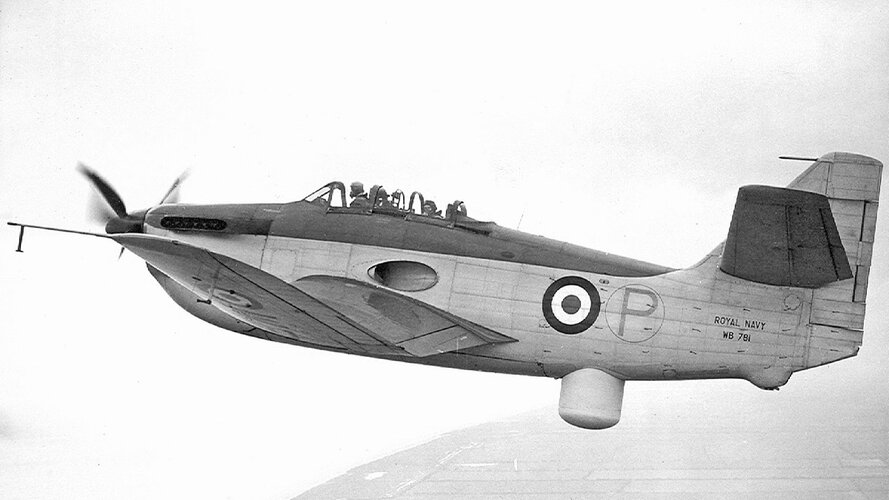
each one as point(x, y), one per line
point(318, 311)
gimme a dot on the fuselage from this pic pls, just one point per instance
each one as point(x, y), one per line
point(636, 321)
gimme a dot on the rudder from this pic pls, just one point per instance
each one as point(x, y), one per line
point(851, 183)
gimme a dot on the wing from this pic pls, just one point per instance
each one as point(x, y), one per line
point(784, 237)
point(410, 324)
point(323, 311)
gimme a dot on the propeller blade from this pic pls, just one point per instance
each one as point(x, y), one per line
point(111, 197)
point(172, 195)
point(98, 212)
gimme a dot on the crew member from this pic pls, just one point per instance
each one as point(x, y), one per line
point(359, 197)
point(382, 200)
point(430, 209)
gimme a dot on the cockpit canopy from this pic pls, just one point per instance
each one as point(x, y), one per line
point(333, 197)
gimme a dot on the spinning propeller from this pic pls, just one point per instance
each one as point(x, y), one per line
point(113, 213)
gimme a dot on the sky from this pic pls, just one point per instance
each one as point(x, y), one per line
point(626, 128)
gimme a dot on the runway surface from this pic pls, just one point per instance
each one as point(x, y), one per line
point(819, 440)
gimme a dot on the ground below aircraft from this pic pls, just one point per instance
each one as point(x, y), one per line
point(785, 292)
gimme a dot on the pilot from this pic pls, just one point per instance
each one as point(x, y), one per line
point(430, 209)
point(359, 197)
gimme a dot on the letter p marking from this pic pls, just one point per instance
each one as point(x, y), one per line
point(643, 304)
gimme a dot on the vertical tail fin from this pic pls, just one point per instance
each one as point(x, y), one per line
point(851, 183)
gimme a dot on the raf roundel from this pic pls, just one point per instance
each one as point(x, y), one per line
point(571, 304)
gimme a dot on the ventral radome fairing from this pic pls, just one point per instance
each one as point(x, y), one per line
point(786, 291)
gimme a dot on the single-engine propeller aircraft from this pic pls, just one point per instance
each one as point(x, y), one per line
point(784, 292)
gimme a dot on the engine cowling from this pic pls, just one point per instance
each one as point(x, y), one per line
point(591, 399)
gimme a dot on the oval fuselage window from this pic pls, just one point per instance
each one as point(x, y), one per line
point(404, 275)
